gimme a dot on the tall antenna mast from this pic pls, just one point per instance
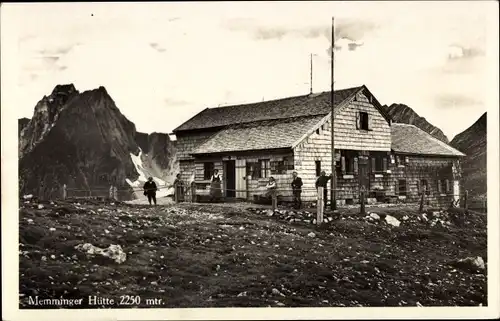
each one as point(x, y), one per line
point(311, 81)
point(333, 183)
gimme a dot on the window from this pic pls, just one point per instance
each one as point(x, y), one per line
point(288, 163)
point(348, 165)
point(424, 186)
point(264, 168)
point(363, 120)
point(318, 168)
point(208, 170)
point(402, 187)
point(378, 162)
point(317, 131)
point(253, 169)
point(278, 167)
point(441, 186)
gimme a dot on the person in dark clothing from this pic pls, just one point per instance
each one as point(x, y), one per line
point(296, 190)
point(150, 190)
point(322, 181)
point(178, 188)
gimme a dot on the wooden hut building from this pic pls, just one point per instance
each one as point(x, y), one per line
point(250, 143)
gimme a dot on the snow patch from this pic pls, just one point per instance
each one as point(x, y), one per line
point(143, 177)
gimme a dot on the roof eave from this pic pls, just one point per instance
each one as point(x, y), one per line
point(240, 151)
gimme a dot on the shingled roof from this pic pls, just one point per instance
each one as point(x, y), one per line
point(412, 140)
point(268, 134)
point(291, 107)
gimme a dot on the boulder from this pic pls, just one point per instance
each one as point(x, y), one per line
point(114, 252)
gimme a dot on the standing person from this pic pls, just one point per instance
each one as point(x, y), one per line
point(296, 190)
point(150, 190)
point(215, 186)
point(271, 187)
point(178, 188)
point(322, 181)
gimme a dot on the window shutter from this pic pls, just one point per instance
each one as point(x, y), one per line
point(370, 124)
point(358, 124)
point(385, 164)
point(355, 165)
point(373, 164)
point(342, 164)
point(396, 191)
point(440, 187)
point(447, 184)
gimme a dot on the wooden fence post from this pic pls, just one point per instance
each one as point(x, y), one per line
point(421, 208)
point(274, 197)
point(320, 205)
point(176, 193)
point(466, 196)
point(64, 192)
point(193, 192)
point(115, 193)
point(362, 207)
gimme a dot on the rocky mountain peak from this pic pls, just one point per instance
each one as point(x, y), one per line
point(401, 113)
point(84, 141)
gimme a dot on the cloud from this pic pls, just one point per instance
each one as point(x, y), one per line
point(157, 47)
point(460, 52)
point(171, 102)
point(454, 100)
point(51, 59)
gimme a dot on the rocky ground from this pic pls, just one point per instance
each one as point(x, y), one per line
point(240, 255)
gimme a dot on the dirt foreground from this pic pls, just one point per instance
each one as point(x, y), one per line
point(230, 255)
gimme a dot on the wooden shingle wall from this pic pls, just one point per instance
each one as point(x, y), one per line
point(347, 136)
point(188, 142)
point(317, 146)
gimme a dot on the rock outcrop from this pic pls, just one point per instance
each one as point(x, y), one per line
point(472, 142)
point(84, 141)
point(401, 113)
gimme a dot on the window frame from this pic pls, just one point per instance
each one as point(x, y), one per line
point(208, 171)
point(265, 168)
point(363, 115)
point(405, 190)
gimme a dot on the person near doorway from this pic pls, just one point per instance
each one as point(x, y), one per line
point(215, 186)
point(322, 181)
point(150, 190)
point(178, 188)
point(296, 190)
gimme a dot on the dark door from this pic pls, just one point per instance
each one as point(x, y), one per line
point(230, 178)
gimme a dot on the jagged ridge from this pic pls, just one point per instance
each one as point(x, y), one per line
point(473, 143)
point(401, 113)
point(84, 141)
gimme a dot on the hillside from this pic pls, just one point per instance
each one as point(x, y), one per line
point(472, 142)
point(84, 141)
point(401, 113)
point(229, 255)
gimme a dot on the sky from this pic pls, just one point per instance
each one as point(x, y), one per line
point(164, 62)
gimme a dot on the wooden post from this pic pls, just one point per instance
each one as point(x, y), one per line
point(111, 192)
point(115, 193)
point(421, 209)
point(193, 192)
point(466, 196)
point(274, 197)
point(320, 206)
point(176, 193)
point(362, 208)
point(64, 192)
